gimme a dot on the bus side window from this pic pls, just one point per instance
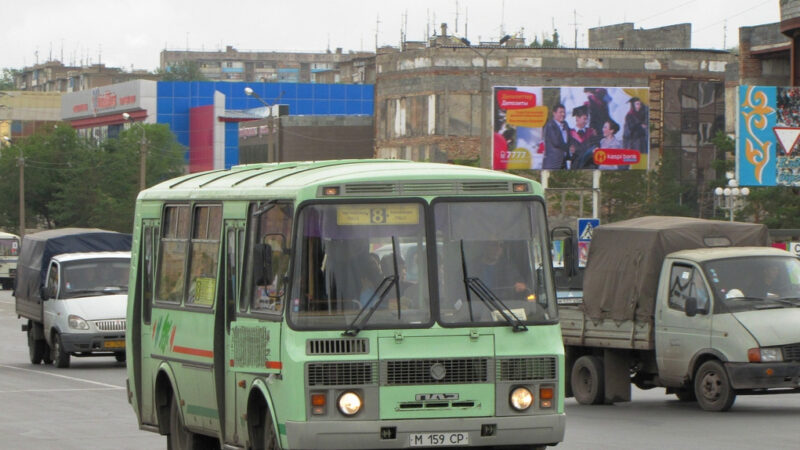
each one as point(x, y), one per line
point(273, 234)
point(172, 255)
point(204, 255)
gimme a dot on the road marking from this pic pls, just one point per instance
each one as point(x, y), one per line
point(59, 390)
point(63, 376)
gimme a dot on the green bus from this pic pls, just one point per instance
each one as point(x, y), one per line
point(345, 304)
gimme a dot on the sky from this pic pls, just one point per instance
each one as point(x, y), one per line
point(132, 33)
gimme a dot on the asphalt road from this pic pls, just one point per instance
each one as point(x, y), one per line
point(84, 407)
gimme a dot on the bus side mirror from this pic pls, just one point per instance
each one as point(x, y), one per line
point(262, 264)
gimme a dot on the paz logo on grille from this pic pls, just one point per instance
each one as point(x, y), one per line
point(438, 371)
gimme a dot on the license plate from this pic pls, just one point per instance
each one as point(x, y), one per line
point(114, 344)
point(438, 439)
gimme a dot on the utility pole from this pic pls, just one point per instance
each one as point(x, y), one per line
point(142, 152)
point(21, 194)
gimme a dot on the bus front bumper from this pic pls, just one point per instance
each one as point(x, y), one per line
point(522, 430)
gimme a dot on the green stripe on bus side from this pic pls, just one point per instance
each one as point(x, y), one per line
point(282, 428)
point(201, 411)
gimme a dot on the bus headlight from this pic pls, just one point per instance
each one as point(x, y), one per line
point(521, 398)
point(349, 403)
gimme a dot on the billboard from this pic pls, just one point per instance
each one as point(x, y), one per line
point(570, 128)
point(768, 131)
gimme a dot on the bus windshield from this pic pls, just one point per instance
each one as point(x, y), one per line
point(353, 263)
point(9, 247)
point(494, 266)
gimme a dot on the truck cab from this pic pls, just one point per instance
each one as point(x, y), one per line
point(84, 303)
point(726, 321)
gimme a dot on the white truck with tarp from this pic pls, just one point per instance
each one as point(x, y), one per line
point(72, 286)
point(703, 308)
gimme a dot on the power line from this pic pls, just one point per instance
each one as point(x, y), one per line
point(665, 11)
point(734, 15)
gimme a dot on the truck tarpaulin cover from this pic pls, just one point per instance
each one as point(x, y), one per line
point(39, 248)
point(625, 259)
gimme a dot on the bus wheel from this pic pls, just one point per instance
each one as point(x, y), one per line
point(262, 428)
point(60, 357)
point(587, 382)
point(35, 346)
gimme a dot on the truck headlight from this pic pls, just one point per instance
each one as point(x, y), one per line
point(349, 403)
point(767, 354)
point(521, 398)
point(77, 322)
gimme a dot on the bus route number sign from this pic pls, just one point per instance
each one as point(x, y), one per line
point(438, 439)
point(399, 214)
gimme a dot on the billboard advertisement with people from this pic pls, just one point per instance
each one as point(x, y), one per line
point(570, 128)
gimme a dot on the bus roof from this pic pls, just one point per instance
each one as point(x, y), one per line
point(4, 235)
point(368, 177)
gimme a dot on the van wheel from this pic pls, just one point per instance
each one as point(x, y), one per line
point(59, 356)
point(35, 346)
point(587, 382)
point(713, 388)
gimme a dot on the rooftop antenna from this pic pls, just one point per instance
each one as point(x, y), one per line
point(503, 18)
point(575, 24)
point(36, 56)
point(466, 23)
point(725, 35)
point(456, 16)
point(377, 28)
point(50, 56)
point(62, 51)
point(428, 24)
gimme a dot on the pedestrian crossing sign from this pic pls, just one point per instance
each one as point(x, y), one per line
point(585, 229)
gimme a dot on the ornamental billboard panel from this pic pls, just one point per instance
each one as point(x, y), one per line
point(570, 128)
point(768, 131)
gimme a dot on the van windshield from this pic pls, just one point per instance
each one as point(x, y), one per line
point(743, 284)
point(94, 277)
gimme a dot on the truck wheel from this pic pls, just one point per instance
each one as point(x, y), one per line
point(713, 388)
point(60, 357)
point(587, 382)
point(35, 346)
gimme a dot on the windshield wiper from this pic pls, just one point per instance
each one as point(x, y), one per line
point(488, 297)
point(369, 307)
point(393, 280)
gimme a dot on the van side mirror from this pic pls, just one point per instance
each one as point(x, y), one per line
point(570, 267)
point(262, 264)
point(44, 293)
point(690, 307)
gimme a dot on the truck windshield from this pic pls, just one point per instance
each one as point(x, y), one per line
point(94, 277)
point(743, 284)
point(500, 247)
point(354, 260)
point(9, 247)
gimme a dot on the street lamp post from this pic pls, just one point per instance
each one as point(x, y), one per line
point(271, 147)
point(21, 164)
point(731, 196)
point(486, 148)
point(142, 152)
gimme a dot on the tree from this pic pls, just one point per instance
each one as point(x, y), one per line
point(7, 80)
point(546, 43)
point(186, 70)
point(71, 182)
point(105, 196)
